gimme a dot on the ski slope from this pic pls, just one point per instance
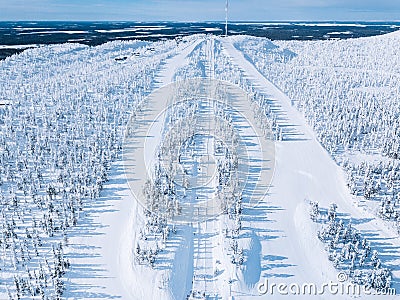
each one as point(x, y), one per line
point(304, 170)
point(108, 258)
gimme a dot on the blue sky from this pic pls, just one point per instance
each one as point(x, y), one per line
point(199, 10)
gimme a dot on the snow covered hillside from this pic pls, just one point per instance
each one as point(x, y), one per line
point(201, 168)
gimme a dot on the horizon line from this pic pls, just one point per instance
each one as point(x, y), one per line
point(214, 21)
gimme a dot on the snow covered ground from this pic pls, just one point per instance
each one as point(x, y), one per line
point(116, 249)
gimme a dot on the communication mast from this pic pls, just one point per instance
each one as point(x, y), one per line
point(226, 18)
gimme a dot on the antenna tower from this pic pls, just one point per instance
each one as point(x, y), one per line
point(226, 18)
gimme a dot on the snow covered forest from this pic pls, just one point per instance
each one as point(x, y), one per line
point(296, 181)
point(348, 91)
point(63, 130)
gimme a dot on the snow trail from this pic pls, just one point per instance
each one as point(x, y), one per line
point(304, 170)
point(104, 257)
